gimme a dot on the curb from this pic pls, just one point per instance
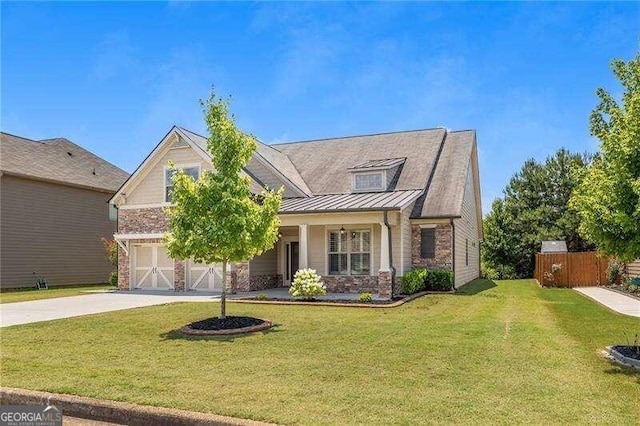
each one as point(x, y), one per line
point(117, 412)
point(338, 304)
point(621, 359)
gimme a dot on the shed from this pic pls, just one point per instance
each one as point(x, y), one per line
point(554, 247)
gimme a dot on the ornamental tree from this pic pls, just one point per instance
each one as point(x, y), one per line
point(608, 199)
point(216, 219)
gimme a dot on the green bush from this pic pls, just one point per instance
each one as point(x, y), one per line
point(413, 281)
point(113, 278)
point(365, 297)
point(488, 272)
point(262, 296)
point(614, 270)
point(439, 280)
point(307, 284)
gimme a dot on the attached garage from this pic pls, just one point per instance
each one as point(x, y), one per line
point(204, 277)
point(152, 268)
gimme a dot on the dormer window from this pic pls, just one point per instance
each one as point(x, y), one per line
point(372, 181)
point(375, 175)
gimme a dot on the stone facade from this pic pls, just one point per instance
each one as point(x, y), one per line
point(385, 284)
point(142, 221)
point(242, 277)
point(179, 276)
point(350, 283)
point(262, 282)
point(443, 254)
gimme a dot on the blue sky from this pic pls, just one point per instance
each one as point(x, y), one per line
point(114, 77)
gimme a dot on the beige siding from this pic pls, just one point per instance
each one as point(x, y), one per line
point(265, 264)
point(54, 230)
point(405, 233)
point(466, 229)
point(151, 188)
point(318, 243)
point(633, 269)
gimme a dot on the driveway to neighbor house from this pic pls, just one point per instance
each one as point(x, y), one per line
point(66, 307)
point(615, 301)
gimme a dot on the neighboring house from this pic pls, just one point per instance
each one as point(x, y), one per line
point(554, 247)
point(633, 269)
point(359, 210)
point(53, 211)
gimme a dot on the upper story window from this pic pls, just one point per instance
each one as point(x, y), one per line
point(193, 171)
point(368, 181)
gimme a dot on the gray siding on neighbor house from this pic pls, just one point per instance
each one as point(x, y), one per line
point(466, 229)
point(54, 230)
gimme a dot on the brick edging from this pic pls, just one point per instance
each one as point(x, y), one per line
point(343, 305)
point(115, 411)
point(264, 325)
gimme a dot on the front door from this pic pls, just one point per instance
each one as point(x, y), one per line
point(292, 257)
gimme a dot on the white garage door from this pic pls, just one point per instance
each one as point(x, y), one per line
point(152, 267)
point(204, 277)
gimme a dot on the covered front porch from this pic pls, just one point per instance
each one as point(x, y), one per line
point(351, 251)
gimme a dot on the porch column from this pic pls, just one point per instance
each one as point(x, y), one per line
point(303, 260)
point(384, 248)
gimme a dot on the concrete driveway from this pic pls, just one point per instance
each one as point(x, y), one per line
point(94, 303)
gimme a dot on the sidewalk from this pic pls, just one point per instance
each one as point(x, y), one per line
point(615, 301)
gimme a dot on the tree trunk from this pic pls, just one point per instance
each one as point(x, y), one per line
point(223, 297)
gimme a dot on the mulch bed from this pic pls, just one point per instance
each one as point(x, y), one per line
point(390, 303)
point(623, 290)
point(632, 352)
point(337, 301)
point(216, 326)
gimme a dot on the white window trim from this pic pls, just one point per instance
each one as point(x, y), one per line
point(382, 187)
point(328, 230)
point(177, 166)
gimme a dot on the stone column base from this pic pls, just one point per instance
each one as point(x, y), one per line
point(385, 284)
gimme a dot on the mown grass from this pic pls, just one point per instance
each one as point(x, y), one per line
point(508, 352)
point(25, 295)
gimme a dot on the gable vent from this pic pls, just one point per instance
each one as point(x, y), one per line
point(179, 143)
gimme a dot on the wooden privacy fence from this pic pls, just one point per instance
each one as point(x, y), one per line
point(582, 269)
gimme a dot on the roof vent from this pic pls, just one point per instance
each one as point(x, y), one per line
point(94, 171)
point(69, 154)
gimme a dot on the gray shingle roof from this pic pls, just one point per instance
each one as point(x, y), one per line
point(58, 160)
point(445, 193)
point(324, 164)
point(322, 167)
point(350, 202)
point(554, 247)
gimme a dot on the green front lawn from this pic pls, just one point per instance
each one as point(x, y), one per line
point(505, 353)
point(25, 295)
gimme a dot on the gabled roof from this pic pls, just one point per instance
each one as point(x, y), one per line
point(58, 160)
point(279, 164)
point(554, 247)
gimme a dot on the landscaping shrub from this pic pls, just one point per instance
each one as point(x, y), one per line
point(413, 281)
point(113, 278)
point(439, 280)
point(488, 272)
point(365, 297)
point(306, 284)
point(262, 296)
point(614, 270)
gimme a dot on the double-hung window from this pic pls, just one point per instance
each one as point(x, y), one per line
point(194, 172)
point(350, 252)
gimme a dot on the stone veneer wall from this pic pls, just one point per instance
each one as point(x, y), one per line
point(444, 251)
point(142, 221)
point(263, 282)
point(350, 283)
